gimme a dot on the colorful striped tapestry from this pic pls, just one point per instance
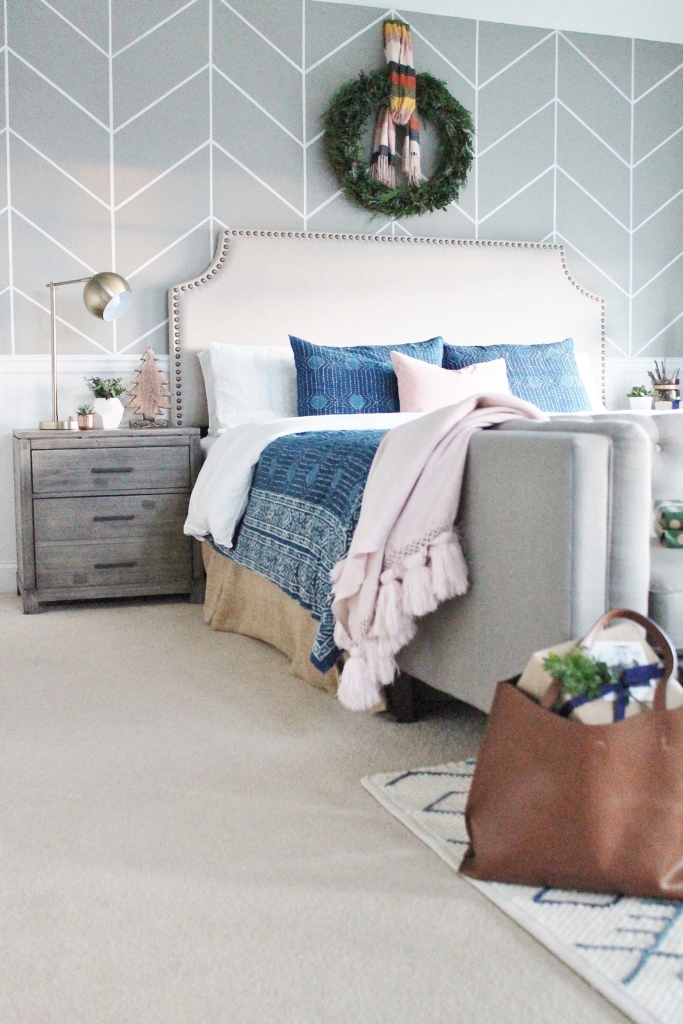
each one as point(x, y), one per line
point(398, 49)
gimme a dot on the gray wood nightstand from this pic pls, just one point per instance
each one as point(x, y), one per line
point(100, 513)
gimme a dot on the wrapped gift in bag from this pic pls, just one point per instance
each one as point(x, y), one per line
point(633, 664)
point(558, 803)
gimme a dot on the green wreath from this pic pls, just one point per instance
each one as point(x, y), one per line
point(345, 120)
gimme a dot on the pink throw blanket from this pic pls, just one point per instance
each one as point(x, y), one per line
point(405, 557)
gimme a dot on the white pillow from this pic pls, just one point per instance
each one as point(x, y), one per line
point(252, 384)
point(205, 363)
point(583, 365)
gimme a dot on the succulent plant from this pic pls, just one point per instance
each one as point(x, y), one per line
point(639, 391)
point(111, 388)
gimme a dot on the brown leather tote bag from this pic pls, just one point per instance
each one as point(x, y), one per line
point(562, 804)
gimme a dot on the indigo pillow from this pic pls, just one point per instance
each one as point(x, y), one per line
point(353, 379)
point(546, 375)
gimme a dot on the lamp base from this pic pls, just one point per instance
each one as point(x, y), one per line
point(54, 425)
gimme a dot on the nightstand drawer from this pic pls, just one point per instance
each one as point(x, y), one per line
point(113, 563)
point(93, 470)
point(125, 516)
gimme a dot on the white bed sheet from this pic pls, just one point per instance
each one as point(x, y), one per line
point(208, 442)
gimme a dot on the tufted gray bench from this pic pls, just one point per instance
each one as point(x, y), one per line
point(665, 431)
point(638, 480)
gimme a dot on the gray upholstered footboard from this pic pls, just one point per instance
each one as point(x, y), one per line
point(535, 522)
point(631, 473)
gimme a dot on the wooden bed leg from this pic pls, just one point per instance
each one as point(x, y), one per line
point(401, 696)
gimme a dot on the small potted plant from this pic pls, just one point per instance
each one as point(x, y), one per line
point(107, 405)
point(640, 397)
point(86, 420)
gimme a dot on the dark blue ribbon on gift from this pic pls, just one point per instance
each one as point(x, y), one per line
point(636, 676)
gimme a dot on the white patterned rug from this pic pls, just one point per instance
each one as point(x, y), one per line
point(629, 950)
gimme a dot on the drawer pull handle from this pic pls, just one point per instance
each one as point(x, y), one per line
point(113, 469)
point(110, 519)
point(115, 565)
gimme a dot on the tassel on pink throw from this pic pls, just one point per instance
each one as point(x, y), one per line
point(405, 557)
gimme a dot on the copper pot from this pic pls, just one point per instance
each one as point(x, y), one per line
point(86, 422)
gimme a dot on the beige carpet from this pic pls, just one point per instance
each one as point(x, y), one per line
point(184, 840)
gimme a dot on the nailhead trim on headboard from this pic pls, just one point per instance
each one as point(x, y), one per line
point(222, 252)
point(219, 260)
point(602, 316)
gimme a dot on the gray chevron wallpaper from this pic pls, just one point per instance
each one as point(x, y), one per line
point(135, 129)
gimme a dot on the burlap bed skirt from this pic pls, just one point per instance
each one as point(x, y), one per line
point(240, 601)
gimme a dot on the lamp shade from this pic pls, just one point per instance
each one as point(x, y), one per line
point(107, 295)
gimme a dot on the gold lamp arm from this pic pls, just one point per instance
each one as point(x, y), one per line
point(55, 423)
point(53, 355)
point(74, 280)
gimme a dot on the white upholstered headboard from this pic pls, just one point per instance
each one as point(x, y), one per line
point(342, 289)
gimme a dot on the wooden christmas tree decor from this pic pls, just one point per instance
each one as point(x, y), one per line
point(149, 393)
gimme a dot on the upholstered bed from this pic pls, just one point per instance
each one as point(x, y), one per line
point(338, 289)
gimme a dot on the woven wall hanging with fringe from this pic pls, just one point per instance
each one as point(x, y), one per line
point(396, 97)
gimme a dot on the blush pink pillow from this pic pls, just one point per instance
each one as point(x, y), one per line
point(423, 387)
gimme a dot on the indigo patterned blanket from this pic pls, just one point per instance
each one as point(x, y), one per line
point(303, 509)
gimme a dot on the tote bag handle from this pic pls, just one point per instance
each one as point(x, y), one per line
point(653, 632)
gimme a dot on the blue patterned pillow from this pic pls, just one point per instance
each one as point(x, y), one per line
point(546, 375)
point(354, 379)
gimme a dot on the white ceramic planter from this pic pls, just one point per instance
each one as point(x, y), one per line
point(108, 412)
point(644, 402)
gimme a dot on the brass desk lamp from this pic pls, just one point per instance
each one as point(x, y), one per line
point(107, 296)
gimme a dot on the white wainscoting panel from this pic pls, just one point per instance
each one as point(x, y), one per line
point(623, 374)
point(25, 399)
